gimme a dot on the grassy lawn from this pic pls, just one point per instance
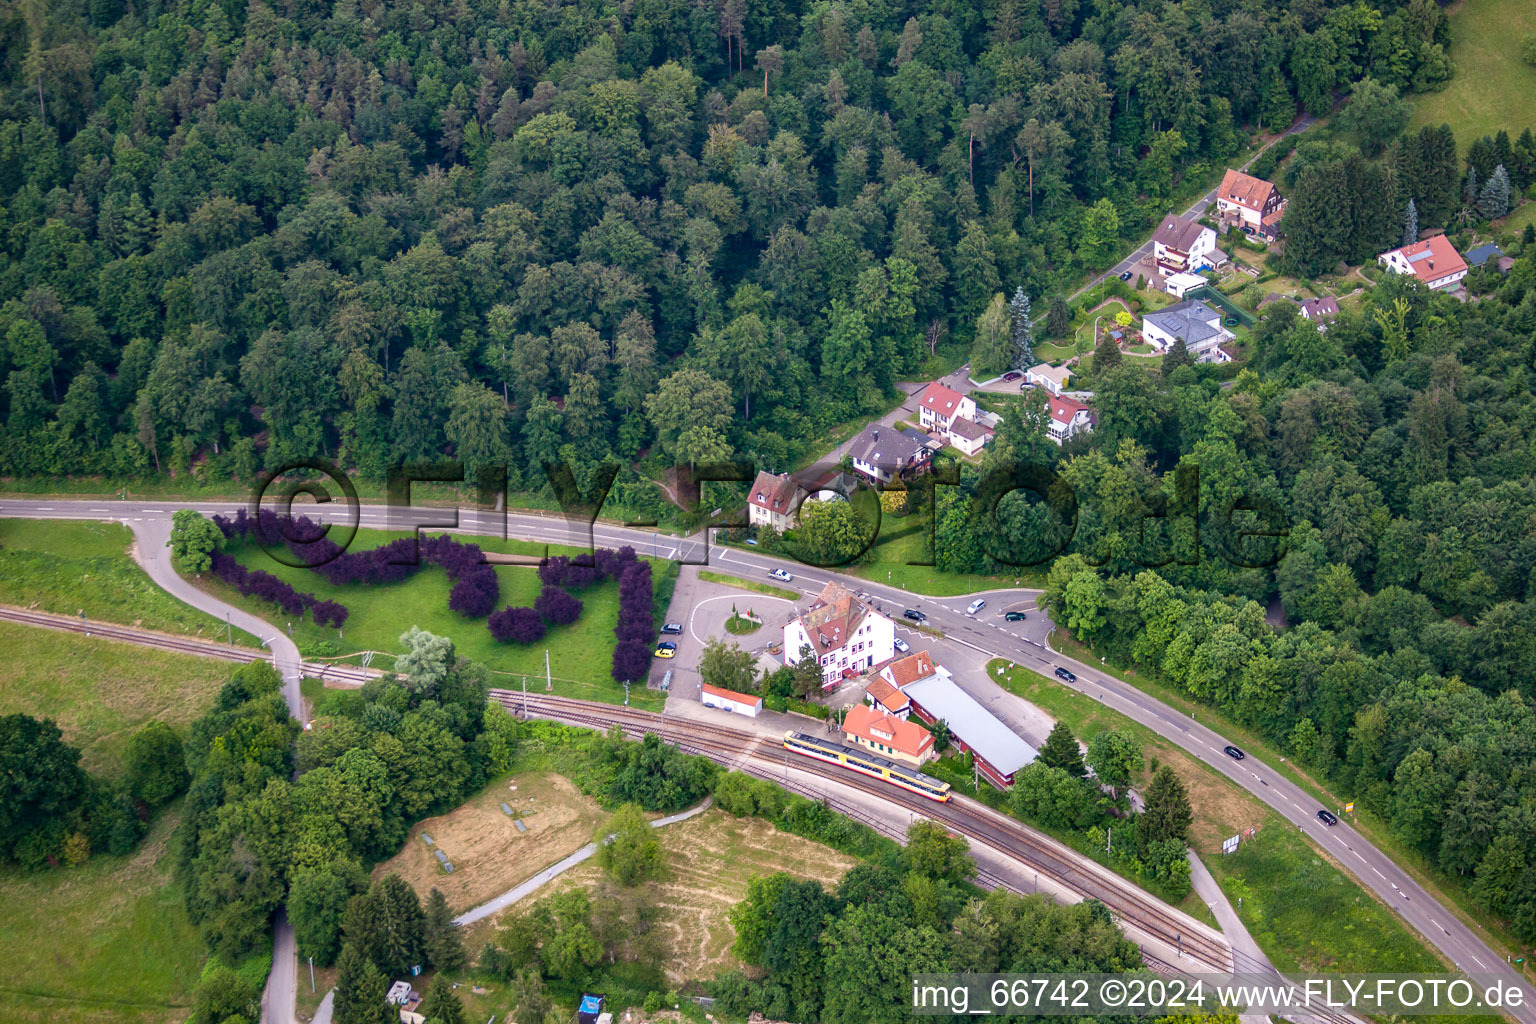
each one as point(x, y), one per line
point(1516, 221)
point(105, 943)
point(69, 567)
point(1446, 891)
point(580, 655)
point(1299, 906)
point(1493, 87)
point(100, 691)
point(724, 579)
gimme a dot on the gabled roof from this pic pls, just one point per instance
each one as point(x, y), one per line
point(1325, 308)
point(992, 741)
point(778, 494)
point(1177, 233)
point(915, 666)
point(1482, 254)
point(886, 448)
point(833, 617)
point(1064, 410)
point(968, 429)
point(1191, 320)
point(1433, 258)
point(938, 399)
point(886, 696)
point(1245, 190)
point(875, 726)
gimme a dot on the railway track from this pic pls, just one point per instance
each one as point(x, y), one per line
point(745, 750)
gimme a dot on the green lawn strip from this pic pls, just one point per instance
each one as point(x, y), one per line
point(1493, 88)
point(70, 567)
point(710, 576)
point(580, 655)
point(1448, 892)
point(100, 691)
point(1303, 910)
point(107, 942)
point(906, 540)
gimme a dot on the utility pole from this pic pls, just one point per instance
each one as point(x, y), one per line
point(549, 681)
point(525, 696)
point(1109, 840)
point(311, 975)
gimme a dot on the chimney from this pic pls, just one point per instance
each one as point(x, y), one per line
point(1431, 264)
point(875, 434)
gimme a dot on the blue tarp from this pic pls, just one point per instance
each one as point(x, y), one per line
point(591, 1004)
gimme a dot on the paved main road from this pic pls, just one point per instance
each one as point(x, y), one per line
point(983, 636)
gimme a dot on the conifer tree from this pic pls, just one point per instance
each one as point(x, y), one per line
point(1061, 751)
point(1177, 356)
point(1411, 224)
point(1168, 814)
point(360, 990)
point(1023, 330)
point(444, 948)
point(440, 1005)
point(1493, 200)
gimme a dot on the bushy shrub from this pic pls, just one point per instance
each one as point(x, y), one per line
point(516, 625)
point(556, 607)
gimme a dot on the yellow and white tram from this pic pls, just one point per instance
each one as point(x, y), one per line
point(868, 764)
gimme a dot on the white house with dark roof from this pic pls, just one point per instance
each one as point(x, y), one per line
point(1320, 311)
point(1183, 246)
point(1195, 322)
point(842, 633)
point(881, 453)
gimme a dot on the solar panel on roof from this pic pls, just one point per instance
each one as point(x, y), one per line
point(1426, 254)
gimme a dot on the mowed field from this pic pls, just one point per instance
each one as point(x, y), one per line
point(1493, 88)
point(709, 861)
point(105, 943)
point(488, 853)
point(70, 567)
point(100, 691)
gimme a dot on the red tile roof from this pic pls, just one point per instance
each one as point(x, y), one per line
point(939, 399)
point(1433, 258)
point(909, 669)
point(833, 617)
point(748, 699)
point(777, 494)
point(1245, 190)
point(1062, 410)
point(886, 695)
point(872, 726)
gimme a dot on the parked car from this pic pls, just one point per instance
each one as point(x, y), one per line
point(1025, 385)
point(781, 575)
point(901, 645)
point(1012, 375)
point(666, 649)
point(1066, 674)
point(1234, 753)
point(1014, 616)
point(914, 615)
point(672, 628)
point(666, 681)
point(850, 673)
point(1327, 818)
point(1125, 275)
point(976, 606)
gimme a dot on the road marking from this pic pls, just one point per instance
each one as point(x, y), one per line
point(1380, 875)
point(44, 508)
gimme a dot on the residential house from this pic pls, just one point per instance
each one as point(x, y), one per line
point(1198, 324)
point(774, 501)
point(1320, 311)
point(952, 418)
point(908, 670)
point(1184, 246)
point(1044, 375)
point(1482, 254)
point(1069, 418)
point(1180, 285)
point(882, 696)
point(880, 453)
point(842, 632)
point(1250, 203)
point(898, 739)
point(998, 752)
point(1434, 261)
point(939, 406)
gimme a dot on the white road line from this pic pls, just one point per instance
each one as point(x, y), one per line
point(1379, 874)
point(42, 508)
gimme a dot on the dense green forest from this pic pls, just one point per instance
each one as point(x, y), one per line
point(234, 233)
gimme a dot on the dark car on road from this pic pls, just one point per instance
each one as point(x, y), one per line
point(1125, 275)
point(672, 628)
point(914, 615)
point(1327, 818)
point(1234, 753)
point(1014, 616)
point(1062, 673)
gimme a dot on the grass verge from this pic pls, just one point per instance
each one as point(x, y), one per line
point(709, 576)
point(73, 567)
point(100, 691)
point(105, 943)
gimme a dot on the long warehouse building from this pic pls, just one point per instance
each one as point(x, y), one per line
point(998, 750)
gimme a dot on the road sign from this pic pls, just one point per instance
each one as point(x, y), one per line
point(1230, 845)
point(1349, 808)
